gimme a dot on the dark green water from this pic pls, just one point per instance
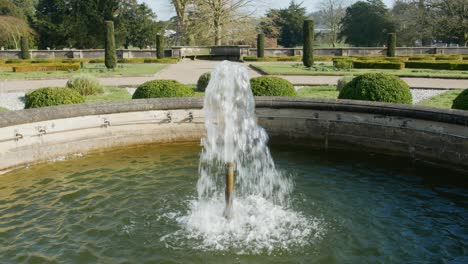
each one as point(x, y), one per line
point(115, 207)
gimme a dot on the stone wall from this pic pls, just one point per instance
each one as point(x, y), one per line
point(422, 134)
point(360, 51)
point(230, 52)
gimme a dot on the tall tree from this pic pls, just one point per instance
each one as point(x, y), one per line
point(450, 18)
point(285, 24)
point(331, 13)
point(11, 30)
point(220, 13)
point(136, 24)
point(407, 27)
point(366, 24)
point(180, 6)
point(8, 8)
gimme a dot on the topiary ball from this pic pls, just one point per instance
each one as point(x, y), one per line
point(50, 96)
point(461, 102)
point(85, 85)
point(162, 88)
point(203, 81)
point(343, 81)
point(272, 86)
point(377, 87)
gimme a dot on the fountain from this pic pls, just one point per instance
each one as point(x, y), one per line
point(156, 196)
point(256, 214)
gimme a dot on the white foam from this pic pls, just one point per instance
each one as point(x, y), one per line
point(262, 219)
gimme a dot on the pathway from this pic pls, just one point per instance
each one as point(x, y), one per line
point(188, 72)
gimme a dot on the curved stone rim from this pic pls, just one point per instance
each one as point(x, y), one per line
point(12, 118)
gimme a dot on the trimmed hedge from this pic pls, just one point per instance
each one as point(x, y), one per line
point(391, 44)
point(164, 60)
point(252, 58)
point(377, 87)
point(162, 88)
point(43, 61)
point(85, 85)
point(160, 46)
point(461, 102)
point(24, 42)
point(272, 86)
point(308, 47)
point(343, 63)
point(421, 58)
point(203, 81)
point(378, 65)
point(438, 65)
point(131, 60)
point(50, 96)
point(448, 57)
point(289, 58)
point(343, 81)
point(47, 67)
point(14, 61)
point(100, 60)
point(110, 52)
point(261, 45)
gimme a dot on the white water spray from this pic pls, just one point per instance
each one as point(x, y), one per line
point(261, 218)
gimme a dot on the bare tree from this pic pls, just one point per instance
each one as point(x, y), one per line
point(331, 13)
point(219, 13)
point(180, 7)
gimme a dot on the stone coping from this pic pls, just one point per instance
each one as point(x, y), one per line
point(19, 117)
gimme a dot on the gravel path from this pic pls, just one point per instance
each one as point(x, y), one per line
point(187, 72)
point(12, 101)
point(423, 94)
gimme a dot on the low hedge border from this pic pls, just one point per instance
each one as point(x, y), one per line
point(378, 65)
point(148, 60)
point(58, 67)
point(438, 65)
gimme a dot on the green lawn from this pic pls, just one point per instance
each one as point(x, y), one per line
point(321, 92)
point(327, 69)
point(110, 94)
point(3, 109)
point(444, 100)
point(95, 69)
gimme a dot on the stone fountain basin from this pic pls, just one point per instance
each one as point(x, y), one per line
point(423, 134)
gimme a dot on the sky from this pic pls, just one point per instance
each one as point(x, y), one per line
point(164, 10)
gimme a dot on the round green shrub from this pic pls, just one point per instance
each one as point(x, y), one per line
point(203, 81)
point(343, 81)
point(272, 86)
point(85, 85)
point(377, 87)
point(50, 96)
point(162, 88)
point(461, 102)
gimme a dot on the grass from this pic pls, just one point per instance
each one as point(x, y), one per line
point(319, 92)
point(444, 100)
point(329, 70)
point(95, 69)
point(110, 94)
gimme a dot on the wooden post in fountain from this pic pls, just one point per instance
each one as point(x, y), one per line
point(229, 189)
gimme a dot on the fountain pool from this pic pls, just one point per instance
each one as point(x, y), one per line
point(129, 206)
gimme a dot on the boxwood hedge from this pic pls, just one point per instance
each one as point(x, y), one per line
point(377, 87)
point(272, 86)
point(162, 88)
point(50, 96)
